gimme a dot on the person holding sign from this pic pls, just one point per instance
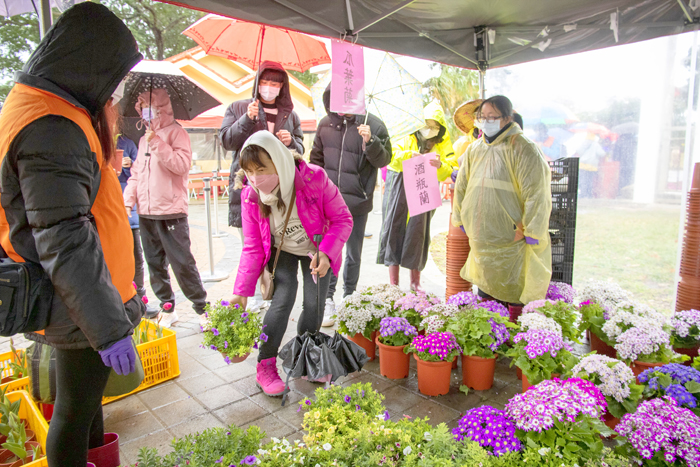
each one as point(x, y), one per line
point(351, 148)
point(407, 243)
point(503, 201)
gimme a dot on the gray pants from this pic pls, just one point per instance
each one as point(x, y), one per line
point(353, 256)
point(286, 286)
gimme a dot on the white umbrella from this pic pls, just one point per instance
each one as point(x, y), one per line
point(19, 7)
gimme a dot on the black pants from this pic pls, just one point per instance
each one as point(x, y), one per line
point(353, 257)
point(168, 241)
point(77, 424)
point(286, 285)
point(138, 258)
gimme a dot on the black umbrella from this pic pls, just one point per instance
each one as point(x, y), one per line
point(187, 98)
point(317, 355)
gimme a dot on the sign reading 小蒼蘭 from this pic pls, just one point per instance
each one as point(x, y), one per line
point(421, 184)
point(347, 78)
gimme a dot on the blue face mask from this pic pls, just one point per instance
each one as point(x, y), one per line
point(491, 128)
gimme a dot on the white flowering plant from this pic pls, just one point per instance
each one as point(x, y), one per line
point(360, 314)
point(615, 380)
point(385, 293)
point(538, 321)
point(606, 294)
point(565, 314)
point(647, 342)
point(685, 331)
point(437, 316)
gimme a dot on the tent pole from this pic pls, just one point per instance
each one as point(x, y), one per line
point(351, 24)
point(687, 154)
point(482, 88)
point(382, 16)
point(45, 18)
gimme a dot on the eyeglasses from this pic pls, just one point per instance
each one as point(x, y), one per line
point(488, 120)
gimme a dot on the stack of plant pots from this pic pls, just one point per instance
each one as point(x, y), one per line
point(457, 252)
point(688, 296)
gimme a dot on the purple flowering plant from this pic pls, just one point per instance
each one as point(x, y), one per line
point(561, 291)
point(489, 427)
point(464, 299)
point(435, 347)
point(660, 433)
point(563, 416)
point(414, 306)
point(565, 314)
point(495, 307)
point(396, 331)
point(675, 380)
point(231, 330)
point(539, 353)
point(480, 332)
point(685, 331)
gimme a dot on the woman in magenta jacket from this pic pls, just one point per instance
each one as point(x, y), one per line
point(274, 175)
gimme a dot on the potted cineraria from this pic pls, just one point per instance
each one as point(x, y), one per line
point(395, 333)
point(593, 318)
point(232, 331)
point(561, 417)
point(436, 321)
point(560, 291)
point(563, 313)
point(489, 427)
point(434, 354)
point(358, 318)
point(678, 381)
point(385, 293)
point(685, 332)
point(660, 433)
point(482, 335)
point(414, 306)
point(464, 299)
point(645, 345)
point(615, 381)
point(540, 354)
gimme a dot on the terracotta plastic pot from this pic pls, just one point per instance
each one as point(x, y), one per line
point(7, 458)
point(515, 311)
point(638, 367)
point(454, 364)
point(519, 373)
point(601, 347)
point(30, 434)
point(433, 377)
point(30, 447)
point(692, 352)
point(393, 363)
point(106, 455)
point(239, 359)
point(477, 372)
point(368, 345)
point(610, 421)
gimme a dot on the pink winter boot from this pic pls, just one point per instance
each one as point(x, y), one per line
point(268, 379)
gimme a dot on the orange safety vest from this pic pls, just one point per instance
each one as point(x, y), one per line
point(23, 106)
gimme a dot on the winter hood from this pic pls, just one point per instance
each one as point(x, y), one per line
point(160, 105)
point(284, 99)
point(83, 57)
point(281, 157)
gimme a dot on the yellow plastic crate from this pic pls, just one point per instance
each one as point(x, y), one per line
point(30, 412)
point(21, 384)
point(5, 359)
point(159, 359)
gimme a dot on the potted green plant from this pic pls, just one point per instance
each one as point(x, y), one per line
point(593, 317)
point(232, 331)
point(563, 313)
point(358, 318)
point(434, 354)
point(395, 334)
point(18, 444)
point(685, 332)
point(414, 306)
point(645, 345)
point(482, 335)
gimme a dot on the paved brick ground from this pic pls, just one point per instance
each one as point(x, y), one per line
point(211, 393)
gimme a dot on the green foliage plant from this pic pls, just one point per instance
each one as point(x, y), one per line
point(231, 330)
point(474, 334)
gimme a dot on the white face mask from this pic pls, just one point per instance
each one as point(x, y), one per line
point(269, 93)
point(147, 114)
point(427, 132)
point(490, 129)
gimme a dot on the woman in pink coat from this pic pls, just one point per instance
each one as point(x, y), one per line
point(158, 187)
point(274, 175)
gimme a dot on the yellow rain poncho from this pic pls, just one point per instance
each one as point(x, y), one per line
point(503, 193)
point(404, 149)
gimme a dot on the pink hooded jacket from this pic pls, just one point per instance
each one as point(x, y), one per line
point(321, 210)
point(158, 183)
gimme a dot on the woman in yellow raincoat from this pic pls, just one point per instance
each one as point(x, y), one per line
point(503, 201)
point(406, 241)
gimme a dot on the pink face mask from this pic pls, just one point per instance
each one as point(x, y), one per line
point(265, 183)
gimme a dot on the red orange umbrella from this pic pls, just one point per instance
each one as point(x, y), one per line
point(595, 128)
point(251, 43)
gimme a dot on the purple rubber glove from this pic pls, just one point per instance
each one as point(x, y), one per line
point(462, 227)
point(120, 356)
point(531, 241)
point(454, 176)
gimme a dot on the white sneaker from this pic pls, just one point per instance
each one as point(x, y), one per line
point(328, 320)
point(254, 305)
point(265, 305)
point(168, 319)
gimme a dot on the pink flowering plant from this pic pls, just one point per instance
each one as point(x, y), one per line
point(647, 342)
point(396, 331)
point(561, 416)
point(232, 330)
point(539, 353)
point(435, 347)
point(614, 379)
point(685, 331)
point(561, 291)
point(660, 434)
point(565, 314)
point(414, 306)
point(480, 332)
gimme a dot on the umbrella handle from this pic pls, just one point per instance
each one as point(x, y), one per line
point(317, 239)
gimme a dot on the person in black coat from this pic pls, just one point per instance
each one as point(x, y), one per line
point(351, 149)
point(271, 109)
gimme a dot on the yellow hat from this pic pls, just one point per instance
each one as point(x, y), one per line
point(465, 114)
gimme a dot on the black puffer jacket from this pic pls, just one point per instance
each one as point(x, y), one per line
point(50, 177)
point(237, 127)
point(338, 148)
